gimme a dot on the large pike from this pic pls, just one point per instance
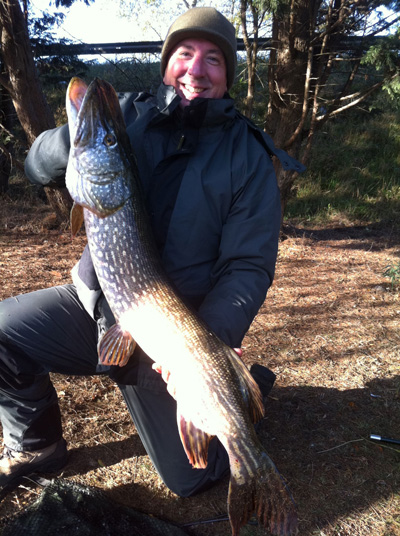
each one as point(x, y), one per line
point(215, 393)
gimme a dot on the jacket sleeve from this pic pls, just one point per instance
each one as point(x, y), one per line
point(248, 249)
point(47, 158)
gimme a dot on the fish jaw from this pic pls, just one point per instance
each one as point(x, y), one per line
point(101, 193)
point(98, 173)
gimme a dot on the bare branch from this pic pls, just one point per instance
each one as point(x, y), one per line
point(5, 82)
point(14, 161)
point(354, 102)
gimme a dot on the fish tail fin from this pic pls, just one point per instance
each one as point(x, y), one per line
point(262, 491)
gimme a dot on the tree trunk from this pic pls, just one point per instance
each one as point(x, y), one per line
point(5, 168)
point(23, 84)
point(287, 84)
point(6, 146)
point(251, 49)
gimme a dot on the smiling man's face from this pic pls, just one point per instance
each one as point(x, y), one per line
point(196, 68)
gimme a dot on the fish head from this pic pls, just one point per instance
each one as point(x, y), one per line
point(99, 171)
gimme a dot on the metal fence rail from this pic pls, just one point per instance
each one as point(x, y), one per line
point(77, 49)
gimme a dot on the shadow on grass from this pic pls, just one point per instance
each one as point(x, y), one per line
point(320, 440)
point(368, 237)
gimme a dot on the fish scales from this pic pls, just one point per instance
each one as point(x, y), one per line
point(215, 394)
point(150, 295)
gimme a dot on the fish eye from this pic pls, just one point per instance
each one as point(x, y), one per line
point(109, 139)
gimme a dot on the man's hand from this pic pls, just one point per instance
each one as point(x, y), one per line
point(166, 374)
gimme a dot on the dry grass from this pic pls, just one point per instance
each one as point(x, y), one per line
point(330, 331)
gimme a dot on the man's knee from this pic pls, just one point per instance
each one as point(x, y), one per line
point(5, 316)
point(190, 481)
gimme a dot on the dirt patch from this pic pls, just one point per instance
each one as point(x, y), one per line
point(330, 331)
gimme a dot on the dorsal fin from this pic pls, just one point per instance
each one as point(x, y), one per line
point(250, 390)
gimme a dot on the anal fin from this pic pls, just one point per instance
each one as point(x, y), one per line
point(195, 442)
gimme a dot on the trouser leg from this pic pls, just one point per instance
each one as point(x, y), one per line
point(49, 331)
point(31, 419)
point(40, 332)
point(154, 415)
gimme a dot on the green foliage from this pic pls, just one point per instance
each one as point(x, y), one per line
point(239, 90)
point(384, 56)
point(54, 71)
point(354, 173)
point(392, 87)
point(125, 75)
point(68, 3)
point(392, 271)
point(129, 74)
point(42, 29)
point(271, 6)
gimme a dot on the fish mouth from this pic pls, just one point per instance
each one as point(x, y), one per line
point(94, 107)
point(99, 109)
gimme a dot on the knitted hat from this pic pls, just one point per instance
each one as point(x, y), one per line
point(206, 23)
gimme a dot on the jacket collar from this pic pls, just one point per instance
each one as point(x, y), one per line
point(167, 99)
point(200, 113)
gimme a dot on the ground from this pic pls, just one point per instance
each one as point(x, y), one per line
point(329, 329)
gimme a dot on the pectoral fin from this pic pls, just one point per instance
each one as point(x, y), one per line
point(115, 347)
point(194, 441)
point(76, 219)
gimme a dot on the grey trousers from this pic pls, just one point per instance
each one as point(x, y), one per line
point(50, 331)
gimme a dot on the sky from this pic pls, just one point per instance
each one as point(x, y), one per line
point(102, 23)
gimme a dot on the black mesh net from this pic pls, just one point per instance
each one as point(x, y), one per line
point(68, 508)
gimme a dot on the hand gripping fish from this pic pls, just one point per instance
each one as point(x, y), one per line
point(222, 398)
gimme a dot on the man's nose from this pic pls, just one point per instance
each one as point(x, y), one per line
point(196, 67)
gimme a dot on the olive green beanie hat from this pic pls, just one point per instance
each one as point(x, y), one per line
point(206, 23)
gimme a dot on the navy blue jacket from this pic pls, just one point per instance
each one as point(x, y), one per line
point(212, 196)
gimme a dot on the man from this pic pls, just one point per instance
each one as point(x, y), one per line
point(214, 205)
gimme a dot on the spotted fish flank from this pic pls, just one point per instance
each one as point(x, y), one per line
point(215, 394)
